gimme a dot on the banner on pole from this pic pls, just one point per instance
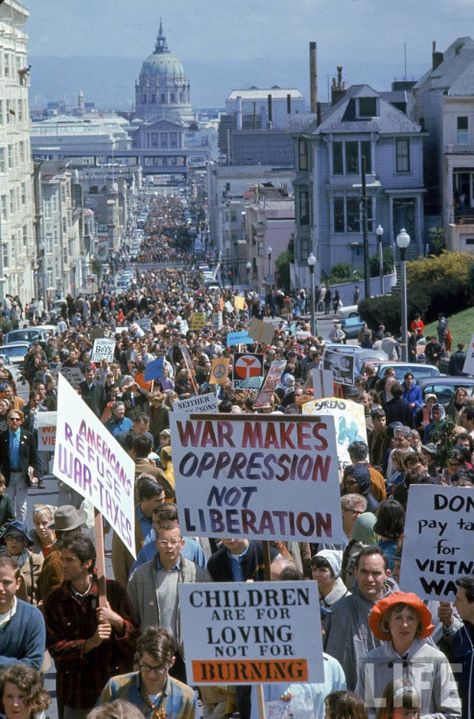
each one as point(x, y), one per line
point(270, 383)
point(437, 544)
point(260, 633)
point(257, 476)
point(91, 461)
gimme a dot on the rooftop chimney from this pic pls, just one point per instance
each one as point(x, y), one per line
point(436, 57)
point(313, 76)
point(288, 104)
point(338, 87)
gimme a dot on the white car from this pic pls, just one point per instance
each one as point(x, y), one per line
point(15, 351)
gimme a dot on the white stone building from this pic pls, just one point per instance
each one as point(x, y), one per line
point(17, 232)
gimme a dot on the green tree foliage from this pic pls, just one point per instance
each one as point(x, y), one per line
point(437, 239)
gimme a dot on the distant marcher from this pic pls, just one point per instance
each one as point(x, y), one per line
point(456, 361)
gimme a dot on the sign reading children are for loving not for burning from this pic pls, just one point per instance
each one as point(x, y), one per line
point(91, 461)
point(439, 540)
point(257, 476)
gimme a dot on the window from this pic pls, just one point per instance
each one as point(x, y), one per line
point(163, 99)
point(304, 207)
point(2, 160)
point(337, 158)
point(302, 154)
point(366, 151)
point(25, 235)
point(348, 215)
point(172, 96)
point(3, 208)
point(462, 136)
point(402, 149)
point(154, 142)
point(1, 112)
point(352, 158)
point(21, 149)
point(23, 193)
point(20, 110)
point(173, 139)
point(367, 106)
point(6, 64)
point(164, 139)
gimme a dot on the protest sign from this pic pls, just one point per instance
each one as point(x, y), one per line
point(200, 405)
point(239, 302)
point(217, 320)
point(349, 420)
point(261, 331)
point(341, 365)
point(438, 540)
point(91, 461)
point(323, 382)
point(154, 369)
point(257, 476)
point(247, 370)
point(198, 320)
point(46, 425)
point(241, 633)
point(219, 370)
point(73, 375)
point(239, 338)
point(469, 361)
point(228, 306)
point(103, 350)
point(271, 381)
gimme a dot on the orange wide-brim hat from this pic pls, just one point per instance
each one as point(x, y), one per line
point(380, 609)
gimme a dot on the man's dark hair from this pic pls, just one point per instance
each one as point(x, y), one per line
point(142, 417)
point(414, 458)
point(358, 451)
point(370, 551)
point(225, 406)
point(396, 389)
point(147, 488)
point(468, 413)
point(467, 583)
point(82, 547)
point(290, 574)
point(167, 512)
point(142, 446)
point(158, 642)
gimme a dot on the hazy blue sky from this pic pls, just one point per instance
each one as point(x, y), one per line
point(365, 36)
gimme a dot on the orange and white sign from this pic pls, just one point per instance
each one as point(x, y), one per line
point(259, 633)
point(248, 370)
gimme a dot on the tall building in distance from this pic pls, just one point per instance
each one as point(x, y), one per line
point(17, 219)
point(163, 91)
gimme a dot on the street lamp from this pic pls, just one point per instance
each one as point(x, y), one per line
point(311, 264)
point(248, 267)
point(379, 233)
point(269, 253)
point(403, 240)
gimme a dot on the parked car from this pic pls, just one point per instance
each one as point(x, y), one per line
point(29, 334)
point(419, 371)
point(15, 351)
point(352, 325)
point(444, 387)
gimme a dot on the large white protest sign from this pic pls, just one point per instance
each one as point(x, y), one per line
point(438, 545)
point(257, 476)
point(203, 403)
point(103, 350)
point(323, 382)
point(241, 633)
point(91, 461)
point(46, 426)
point(349, 420)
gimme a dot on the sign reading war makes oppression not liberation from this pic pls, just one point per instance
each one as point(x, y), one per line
point(257, 476)
point(439, 540)
point(244, 633)
point(91, 461)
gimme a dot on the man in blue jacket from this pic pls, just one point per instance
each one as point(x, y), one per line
point(412, 393)
point(22, 629)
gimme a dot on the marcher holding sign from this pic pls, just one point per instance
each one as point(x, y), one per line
point(91, 461)
point(103, 350)
point(258, 477)
point(239, 633)
point(438, 545)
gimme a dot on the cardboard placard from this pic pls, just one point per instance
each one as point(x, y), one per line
point(247, 370)
point(342, 366)
point(103, 349)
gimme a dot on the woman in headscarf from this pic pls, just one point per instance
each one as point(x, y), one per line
point(404, 624)
point(356, 479)
point(437, 416)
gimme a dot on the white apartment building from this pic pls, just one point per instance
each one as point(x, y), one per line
point(17, 233)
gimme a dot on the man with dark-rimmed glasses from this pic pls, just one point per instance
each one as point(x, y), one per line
point(18, 461)
point(151, 689)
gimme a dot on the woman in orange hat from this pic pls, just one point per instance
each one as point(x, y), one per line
point(404, 624)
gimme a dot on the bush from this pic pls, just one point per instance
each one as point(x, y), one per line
point(341, 272)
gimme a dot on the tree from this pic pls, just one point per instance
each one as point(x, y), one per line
point(437, 239)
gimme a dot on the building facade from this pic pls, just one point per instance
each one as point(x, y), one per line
point(18, 262)
point(359, 127)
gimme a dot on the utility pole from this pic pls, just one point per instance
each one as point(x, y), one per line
point(365, 230)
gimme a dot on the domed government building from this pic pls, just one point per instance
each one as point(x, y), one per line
point(163, 91)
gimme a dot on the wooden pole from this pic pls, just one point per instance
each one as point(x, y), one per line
point(100, 561)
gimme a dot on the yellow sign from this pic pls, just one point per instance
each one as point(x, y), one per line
point(198, 320)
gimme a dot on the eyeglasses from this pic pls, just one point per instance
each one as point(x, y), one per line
point(169, 542)
point(157, 669)
point(15, 537)
point(15, 419)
